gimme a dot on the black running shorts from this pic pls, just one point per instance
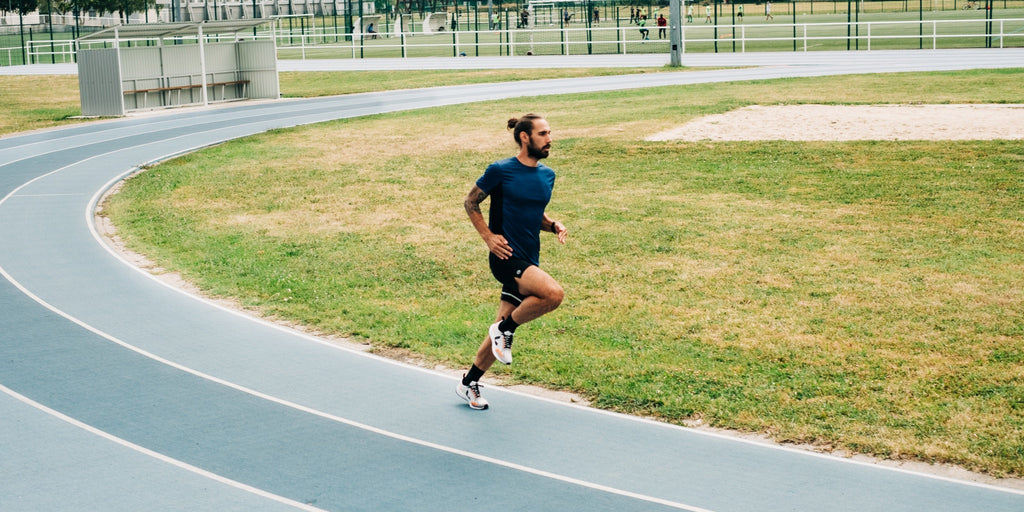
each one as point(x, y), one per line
point(506, 272)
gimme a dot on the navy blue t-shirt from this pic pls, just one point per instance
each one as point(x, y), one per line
point(519, 195)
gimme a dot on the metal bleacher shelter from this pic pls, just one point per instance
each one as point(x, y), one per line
point(159, 65)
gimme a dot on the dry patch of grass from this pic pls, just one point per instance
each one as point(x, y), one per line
point(33, 102)
point(861, 296)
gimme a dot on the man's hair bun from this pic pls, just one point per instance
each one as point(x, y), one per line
point(522, 124)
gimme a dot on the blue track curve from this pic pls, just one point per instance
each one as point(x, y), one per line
point(118, 392)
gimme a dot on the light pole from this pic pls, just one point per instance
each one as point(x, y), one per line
point(677, 42)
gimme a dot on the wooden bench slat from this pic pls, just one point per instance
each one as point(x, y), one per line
point(183, 87)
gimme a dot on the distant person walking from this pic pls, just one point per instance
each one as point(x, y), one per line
point(768, 11)
point(520, 189)
point(662, 23)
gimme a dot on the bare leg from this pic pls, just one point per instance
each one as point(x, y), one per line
point(543, 294)
point(484, 356)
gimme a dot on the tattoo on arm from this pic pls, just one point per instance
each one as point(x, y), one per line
point(473, 200)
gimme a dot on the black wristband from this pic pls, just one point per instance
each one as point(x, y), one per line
point(553, 230)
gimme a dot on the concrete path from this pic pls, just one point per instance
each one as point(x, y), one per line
point(118, 392)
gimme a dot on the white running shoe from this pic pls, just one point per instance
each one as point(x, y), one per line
point(501, 344)
point(471, 394)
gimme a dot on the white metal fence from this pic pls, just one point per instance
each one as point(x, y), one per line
point(928, 33)
point(865, 35)
point(322, 42)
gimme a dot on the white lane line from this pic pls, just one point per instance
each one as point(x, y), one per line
point(642, 420)
point(305, 409)
point(455, 451)
point(156, 455)
point(162, 123)
point(90, 221)
point(48, 195)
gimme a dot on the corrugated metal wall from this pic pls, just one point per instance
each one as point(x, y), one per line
point(181, 67)
point(141, 69)
point(98, 85)
point(177, 69)
point(257, 63)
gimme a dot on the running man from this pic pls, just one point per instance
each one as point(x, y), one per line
point(520, 189)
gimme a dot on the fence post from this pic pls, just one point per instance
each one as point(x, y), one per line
point(920, 24)
point(849, 26)
point(792, 6)
point(675, 18)
point(617, 24)
point(508, 28)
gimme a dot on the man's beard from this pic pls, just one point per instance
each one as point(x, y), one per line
point(536, 152)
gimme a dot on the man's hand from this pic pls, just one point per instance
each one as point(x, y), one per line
point(498, 246)
point(561, 231)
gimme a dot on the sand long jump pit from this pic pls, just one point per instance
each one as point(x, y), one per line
point(855, 122)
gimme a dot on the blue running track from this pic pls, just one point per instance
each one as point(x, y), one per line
point(120, 393)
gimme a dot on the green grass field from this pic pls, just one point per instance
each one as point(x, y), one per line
point(33, 102)
point(864, 296)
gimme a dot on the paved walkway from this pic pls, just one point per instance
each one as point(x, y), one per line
point(883, 60)
point(119, 393)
